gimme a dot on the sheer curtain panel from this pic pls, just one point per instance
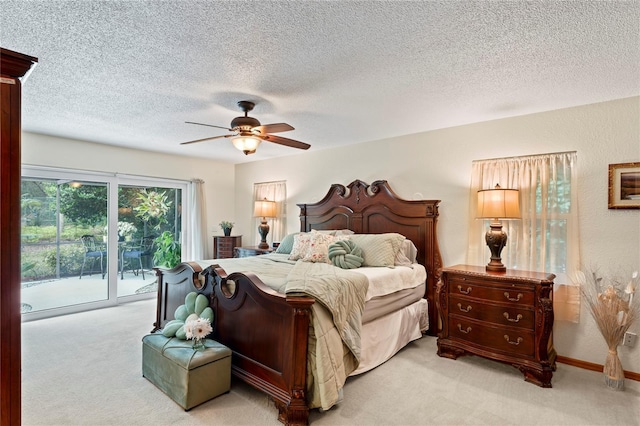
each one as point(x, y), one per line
point(196, 237)
point(546, 239)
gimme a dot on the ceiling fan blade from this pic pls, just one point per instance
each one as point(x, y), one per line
point(273, 128)
point(209, 125)
point(206, 139)
point(286, 141)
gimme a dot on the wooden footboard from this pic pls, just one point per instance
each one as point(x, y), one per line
point(267, 331)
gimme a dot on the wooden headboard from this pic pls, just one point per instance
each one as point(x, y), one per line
point(376, 209)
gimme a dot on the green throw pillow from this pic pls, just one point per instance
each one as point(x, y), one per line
point(345, 254)
point(286, 245)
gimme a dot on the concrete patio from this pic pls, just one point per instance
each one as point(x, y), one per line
point(55, 293)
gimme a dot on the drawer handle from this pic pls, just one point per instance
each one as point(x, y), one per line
point(463, 291)
point(464, 310)
point(516, 319)
point(467, 331)
point(517, 342)
point(511, 299)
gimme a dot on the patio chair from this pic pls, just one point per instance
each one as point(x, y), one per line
point(94, 251)
point(133, 256)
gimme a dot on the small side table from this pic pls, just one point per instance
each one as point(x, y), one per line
point(251, 251)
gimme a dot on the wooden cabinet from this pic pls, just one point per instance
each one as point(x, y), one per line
point(223, 246)
point(251, 251)
point(506, 316)
point(13, 67)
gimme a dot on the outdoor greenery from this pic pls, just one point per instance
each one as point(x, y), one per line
point(168, 251)
point(153, 208)
point(142, 212)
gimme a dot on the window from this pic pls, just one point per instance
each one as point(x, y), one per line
point(546, 238)
point(272, 191)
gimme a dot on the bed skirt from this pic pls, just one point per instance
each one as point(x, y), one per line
point(384, 337)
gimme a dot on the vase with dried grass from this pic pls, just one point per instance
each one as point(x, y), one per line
point(612, 306)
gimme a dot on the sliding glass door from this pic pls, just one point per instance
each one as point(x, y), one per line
point(91, 240)
point(64, 260)
point(149, 227)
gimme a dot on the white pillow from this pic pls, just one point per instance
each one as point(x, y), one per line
point(407, 254)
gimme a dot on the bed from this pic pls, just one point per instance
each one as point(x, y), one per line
point(269, 332)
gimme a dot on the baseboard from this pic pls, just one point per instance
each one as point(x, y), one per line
point(594, 367)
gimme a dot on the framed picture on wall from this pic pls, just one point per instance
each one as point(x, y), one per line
point(624, 186)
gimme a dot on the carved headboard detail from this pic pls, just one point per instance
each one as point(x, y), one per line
point(376, 209)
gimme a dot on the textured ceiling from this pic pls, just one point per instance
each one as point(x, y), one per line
point(130, 73)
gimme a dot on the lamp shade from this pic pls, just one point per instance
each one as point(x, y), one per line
point(498, 203)
point(264, 208)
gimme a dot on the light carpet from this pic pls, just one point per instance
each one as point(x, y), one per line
point(85, 369)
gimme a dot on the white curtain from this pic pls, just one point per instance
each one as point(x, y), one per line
point(546, 239)
point(195, 247)
point(272, 191)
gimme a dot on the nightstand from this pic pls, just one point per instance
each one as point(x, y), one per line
point(223, 246)
point(251, 251)
point(504, 316)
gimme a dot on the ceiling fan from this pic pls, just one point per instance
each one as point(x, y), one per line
point(248, 132)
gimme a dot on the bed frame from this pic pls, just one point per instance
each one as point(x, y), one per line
point(268, 331)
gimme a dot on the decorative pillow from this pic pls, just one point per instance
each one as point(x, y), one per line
point(195, 306)
point(301, 243)
point(318, 249)
point(378, 249)
point(345, 254)
point(286, 245)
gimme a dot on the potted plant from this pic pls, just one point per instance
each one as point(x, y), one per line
point(226, 227)
point(168, 251)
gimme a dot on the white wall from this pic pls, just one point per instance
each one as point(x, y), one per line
point(219, 183)
point(437, 165)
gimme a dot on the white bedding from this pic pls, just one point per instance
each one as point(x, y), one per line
point(383, 281)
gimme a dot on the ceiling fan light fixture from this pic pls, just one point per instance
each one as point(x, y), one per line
point(246, 144)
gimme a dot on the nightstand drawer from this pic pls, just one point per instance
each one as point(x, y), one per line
point(225, 244)
point(507, 294)
point(498, 314)
point(507, 340)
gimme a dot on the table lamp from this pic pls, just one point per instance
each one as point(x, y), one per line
point(264, 209)
point(497, 203)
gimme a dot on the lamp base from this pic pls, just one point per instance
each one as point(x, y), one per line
point(496, 240)
point(263, 230)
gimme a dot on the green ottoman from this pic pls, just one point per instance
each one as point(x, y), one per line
point(189, 377)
